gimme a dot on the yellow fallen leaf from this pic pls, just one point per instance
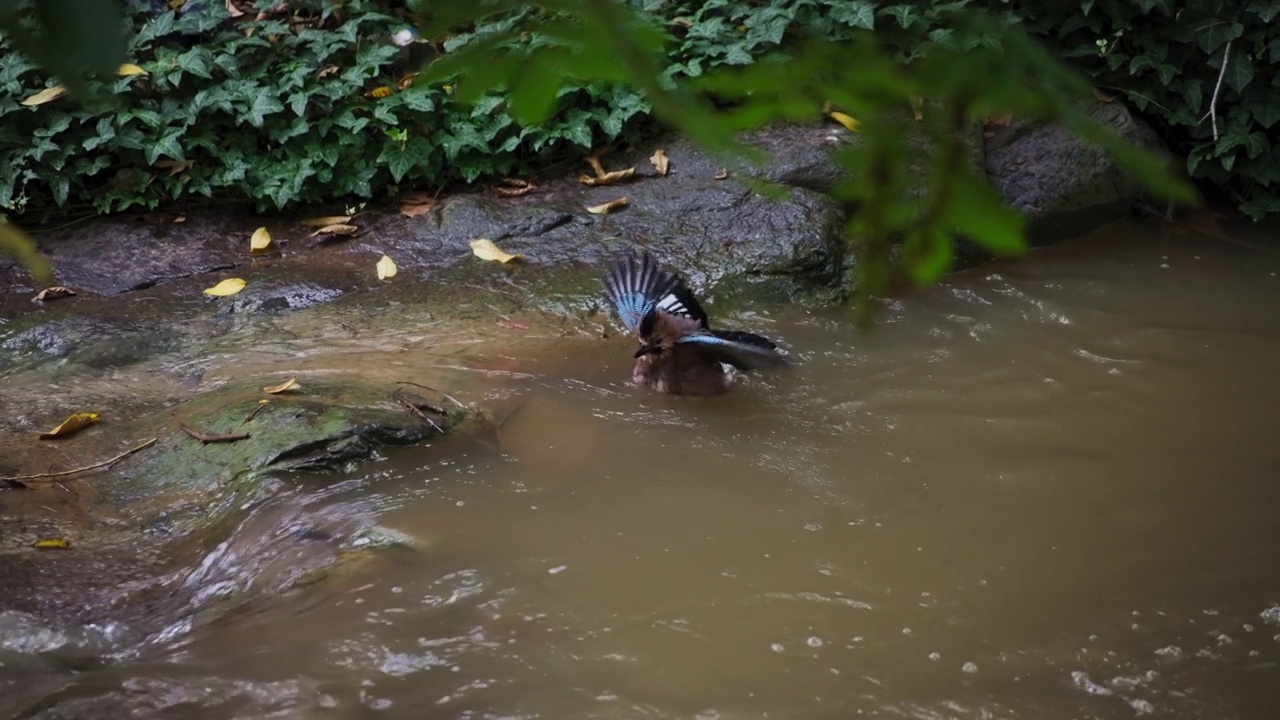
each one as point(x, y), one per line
point(338, 229)
point(290, 384)
point(848, 121)
point(260, 240)
point(659, 161)
point(609, 178)
point(45, 95)
point(72, 424)
point(486, 250)
point(51, 544)
point(230, 286)
point(380, 92)
point(386, 268)
point(128, 69)
point(53, 293)
point(606, 208)
point(723, 174)
point(327, 220)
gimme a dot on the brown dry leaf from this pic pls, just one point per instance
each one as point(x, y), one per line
point(259, 241)
point(230, 286)
point(409, 210)
point(175, 4)
point(235, 11)
point(660, 161)
point(515, 187)
point(328, 70)
point(337, 229)
point(386, 268)
point(406, 81)
point(1103, 97)
point(609, 178)
point(606, 208)
point(73, 424)
point(327, 220)
point(51, 544)
point(917, 107)
point(46, 95)
point(1001, 120)
point(486, 250)
point(723, 174)
point(175, 167)
point(128, 69)
point(53, 293)
point(290, 384)
point(594, 159)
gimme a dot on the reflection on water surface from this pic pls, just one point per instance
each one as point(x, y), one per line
point(1045, 489)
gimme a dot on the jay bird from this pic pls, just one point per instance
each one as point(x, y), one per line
point(679, 352)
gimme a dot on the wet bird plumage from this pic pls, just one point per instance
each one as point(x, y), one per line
point(679, 353)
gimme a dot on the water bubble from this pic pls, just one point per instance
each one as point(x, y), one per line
point(558, 569)
point(814, 642)
point(969, 668)
point(777, 647)
point(906, 631)
point(935, 655)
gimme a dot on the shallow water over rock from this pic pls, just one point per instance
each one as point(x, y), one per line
point(1043, 489)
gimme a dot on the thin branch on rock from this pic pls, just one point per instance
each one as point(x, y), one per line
point(95, 466)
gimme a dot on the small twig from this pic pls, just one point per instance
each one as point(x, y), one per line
point(207, 438)
point(1213, 103)
point(446, 395)
point(252, 413)
point(95, 466)
point(416, 409)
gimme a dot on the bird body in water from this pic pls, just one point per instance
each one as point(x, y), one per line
point(679, 353)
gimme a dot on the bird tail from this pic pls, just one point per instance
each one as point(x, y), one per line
point(638, 286)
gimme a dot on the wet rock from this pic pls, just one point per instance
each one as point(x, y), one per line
point(122, 254)
point(278, 299)
point(83, 341)
point(1064, 186)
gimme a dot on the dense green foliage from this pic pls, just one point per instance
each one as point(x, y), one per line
point(1167, 59)
point(282, 111)
point(312, 102)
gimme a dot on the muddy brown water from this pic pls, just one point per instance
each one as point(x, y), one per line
point(1047, 488)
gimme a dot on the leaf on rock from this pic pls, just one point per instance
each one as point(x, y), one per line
point(338, 229)
point(609, 178)
point(606, 208)
point(260, 240)
point(415, 203)
point(327, 220)
point(723, 174)
point(848, 121)
point(660, 161)
point(386, 268)
point(51, 544)
point(290, 384)
point(515, 187)
point(227, 287)
point(486, 250)
point(73, 424)
point(46, 95)
point(53, 293)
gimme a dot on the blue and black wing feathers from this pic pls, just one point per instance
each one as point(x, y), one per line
point(638, 287)
point(743, 350)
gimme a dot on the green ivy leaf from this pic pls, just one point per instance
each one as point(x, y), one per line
point(1217, 34)
point(264, 103)
point(400, 159)
point(1239, 72)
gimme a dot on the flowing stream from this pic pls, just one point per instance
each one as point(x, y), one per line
point(1047, 488)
